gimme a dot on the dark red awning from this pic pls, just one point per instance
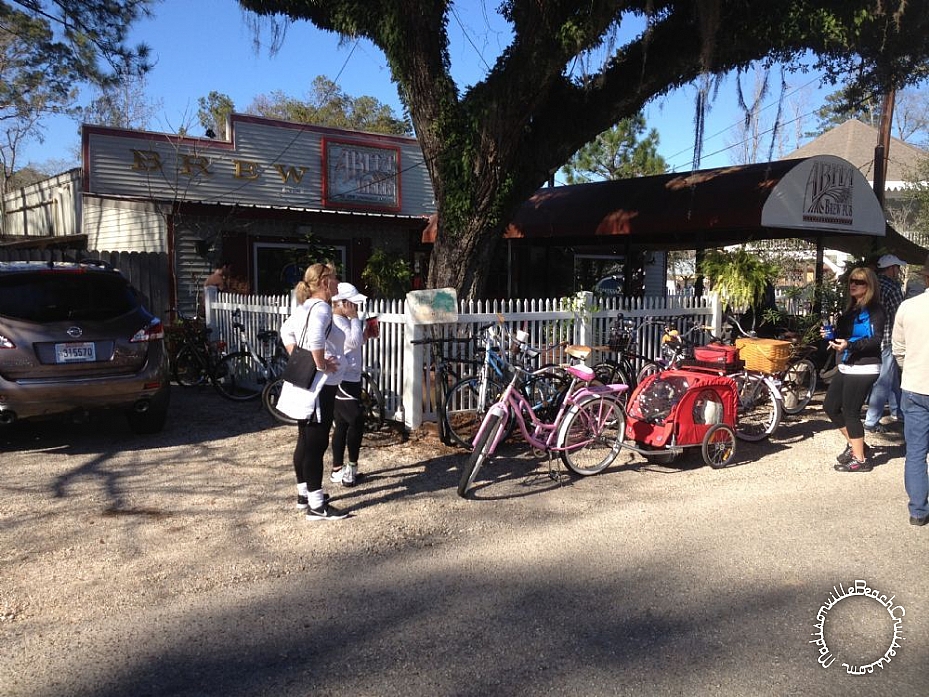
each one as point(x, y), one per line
point(822, 196)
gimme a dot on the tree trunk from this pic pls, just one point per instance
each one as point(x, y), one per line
point(461, 258)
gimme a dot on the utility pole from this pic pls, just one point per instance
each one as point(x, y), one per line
point(882, 150)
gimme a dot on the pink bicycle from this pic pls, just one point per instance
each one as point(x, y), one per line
point(587, 430)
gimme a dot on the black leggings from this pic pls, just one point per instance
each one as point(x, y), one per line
point(844, 399)
point(349, 423)
point(312, 441)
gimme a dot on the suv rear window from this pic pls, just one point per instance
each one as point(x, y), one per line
point(55, 297)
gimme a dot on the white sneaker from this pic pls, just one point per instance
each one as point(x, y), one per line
point(336, 475)
point(348, 475)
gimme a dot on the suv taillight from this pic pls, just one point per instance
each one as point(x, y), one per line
point(152, 332)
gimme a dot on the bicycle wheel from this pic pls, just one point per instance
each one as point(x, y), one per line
point(611, 372)
point(464, 409)
point(798, 385)
point(591, 435)
point(239, 376)
point(759, 410)
point(829, 368)
point(649, 368)
point(718, 446)
point(545, 390)
point(372, 402)
point(481, 453)
point(269, 396)
point(189, 370)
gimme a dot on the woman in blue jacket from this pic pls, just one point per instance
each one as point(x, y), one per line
point(859, 331)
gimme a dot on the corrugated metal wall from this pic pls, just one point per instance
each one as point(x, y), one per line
point(192, 270)
point(47, 208)
point(267, 163)
point(134, 226)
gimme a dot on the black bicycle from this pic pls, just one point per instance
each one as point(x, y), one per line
point(441, 375)
point(372, 402)
point(625, 338)
point(236, 375)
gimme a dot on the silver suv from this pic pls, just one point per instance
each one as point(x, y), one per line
point(75, 338)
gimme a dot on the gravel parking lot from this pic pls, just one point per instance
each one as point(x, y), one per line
point(176, 564)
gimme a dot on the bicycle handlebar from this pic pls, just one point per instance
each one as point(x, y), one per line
point(732, 320)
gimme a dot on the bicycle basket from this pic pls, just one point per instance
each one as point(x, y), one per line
point(765, 355)
point(620, 337)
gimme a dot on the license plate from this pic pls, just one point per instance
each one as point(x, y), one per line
point(84, 352)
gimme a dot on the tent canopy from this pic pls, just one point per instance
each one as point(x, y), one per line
point(815, 198)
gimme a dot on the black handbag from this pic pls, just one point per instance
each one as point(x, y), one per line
point(301, 367)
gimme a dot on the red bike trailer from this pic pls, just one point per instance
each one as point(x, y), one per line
point(675, 409)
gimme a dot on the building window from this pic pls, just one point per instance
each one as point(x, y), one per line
point(279, 266)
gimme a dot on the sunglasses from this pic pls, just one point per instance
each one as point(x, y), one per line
point(857, 282)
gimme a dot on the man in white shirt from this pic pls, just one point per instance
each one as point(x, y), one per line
point(910, 346)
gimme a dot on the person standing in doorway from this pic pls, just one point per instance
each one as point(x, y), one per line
point(858, 335)
point(910, 346)
point(216, 282)
point(311, 327)
point(349, 420)
point(886, 390)
point(219, 279)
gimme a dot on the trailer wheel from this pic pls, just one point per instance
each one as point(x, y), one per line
point(718, 446)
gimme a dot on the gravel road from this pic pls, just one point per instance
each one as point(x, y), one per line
point(177, 564)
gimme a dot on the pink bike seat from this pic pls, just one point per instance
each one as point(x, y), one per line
point(581, 372)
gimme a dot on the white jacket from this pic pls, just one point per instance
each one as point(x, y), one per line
point(321, 332)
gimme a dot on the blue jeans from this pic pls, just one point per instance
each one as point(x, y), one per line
point(916, 432)
point(885, 391)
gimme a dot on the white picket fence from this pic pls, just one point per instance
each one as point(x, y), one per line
point(404, 371)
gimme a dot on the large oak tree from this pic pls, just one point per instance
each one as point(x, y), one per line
point(490, 146)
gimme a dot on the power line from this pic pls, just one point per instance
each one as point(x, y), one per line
point(468, 37)
point(688, 151)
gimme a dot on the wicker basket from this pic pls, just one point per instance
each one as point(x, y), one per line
point(766, 355)
point(619, 340)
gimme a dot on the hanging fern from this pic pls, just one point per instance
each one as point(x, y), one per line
point(739, 277)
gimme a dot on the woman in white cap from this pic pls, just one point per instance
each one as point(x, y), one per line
point(349, 415)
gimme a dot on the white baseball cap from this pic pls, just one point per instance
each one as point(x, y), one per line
point(349, 292)
point(888, 260)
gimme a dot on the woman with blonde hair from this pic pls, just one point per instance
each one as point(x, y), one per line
point(310, 326)
point(858, 335)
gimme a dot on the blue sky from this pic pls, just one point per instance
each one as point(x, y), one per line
point(206, 45)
